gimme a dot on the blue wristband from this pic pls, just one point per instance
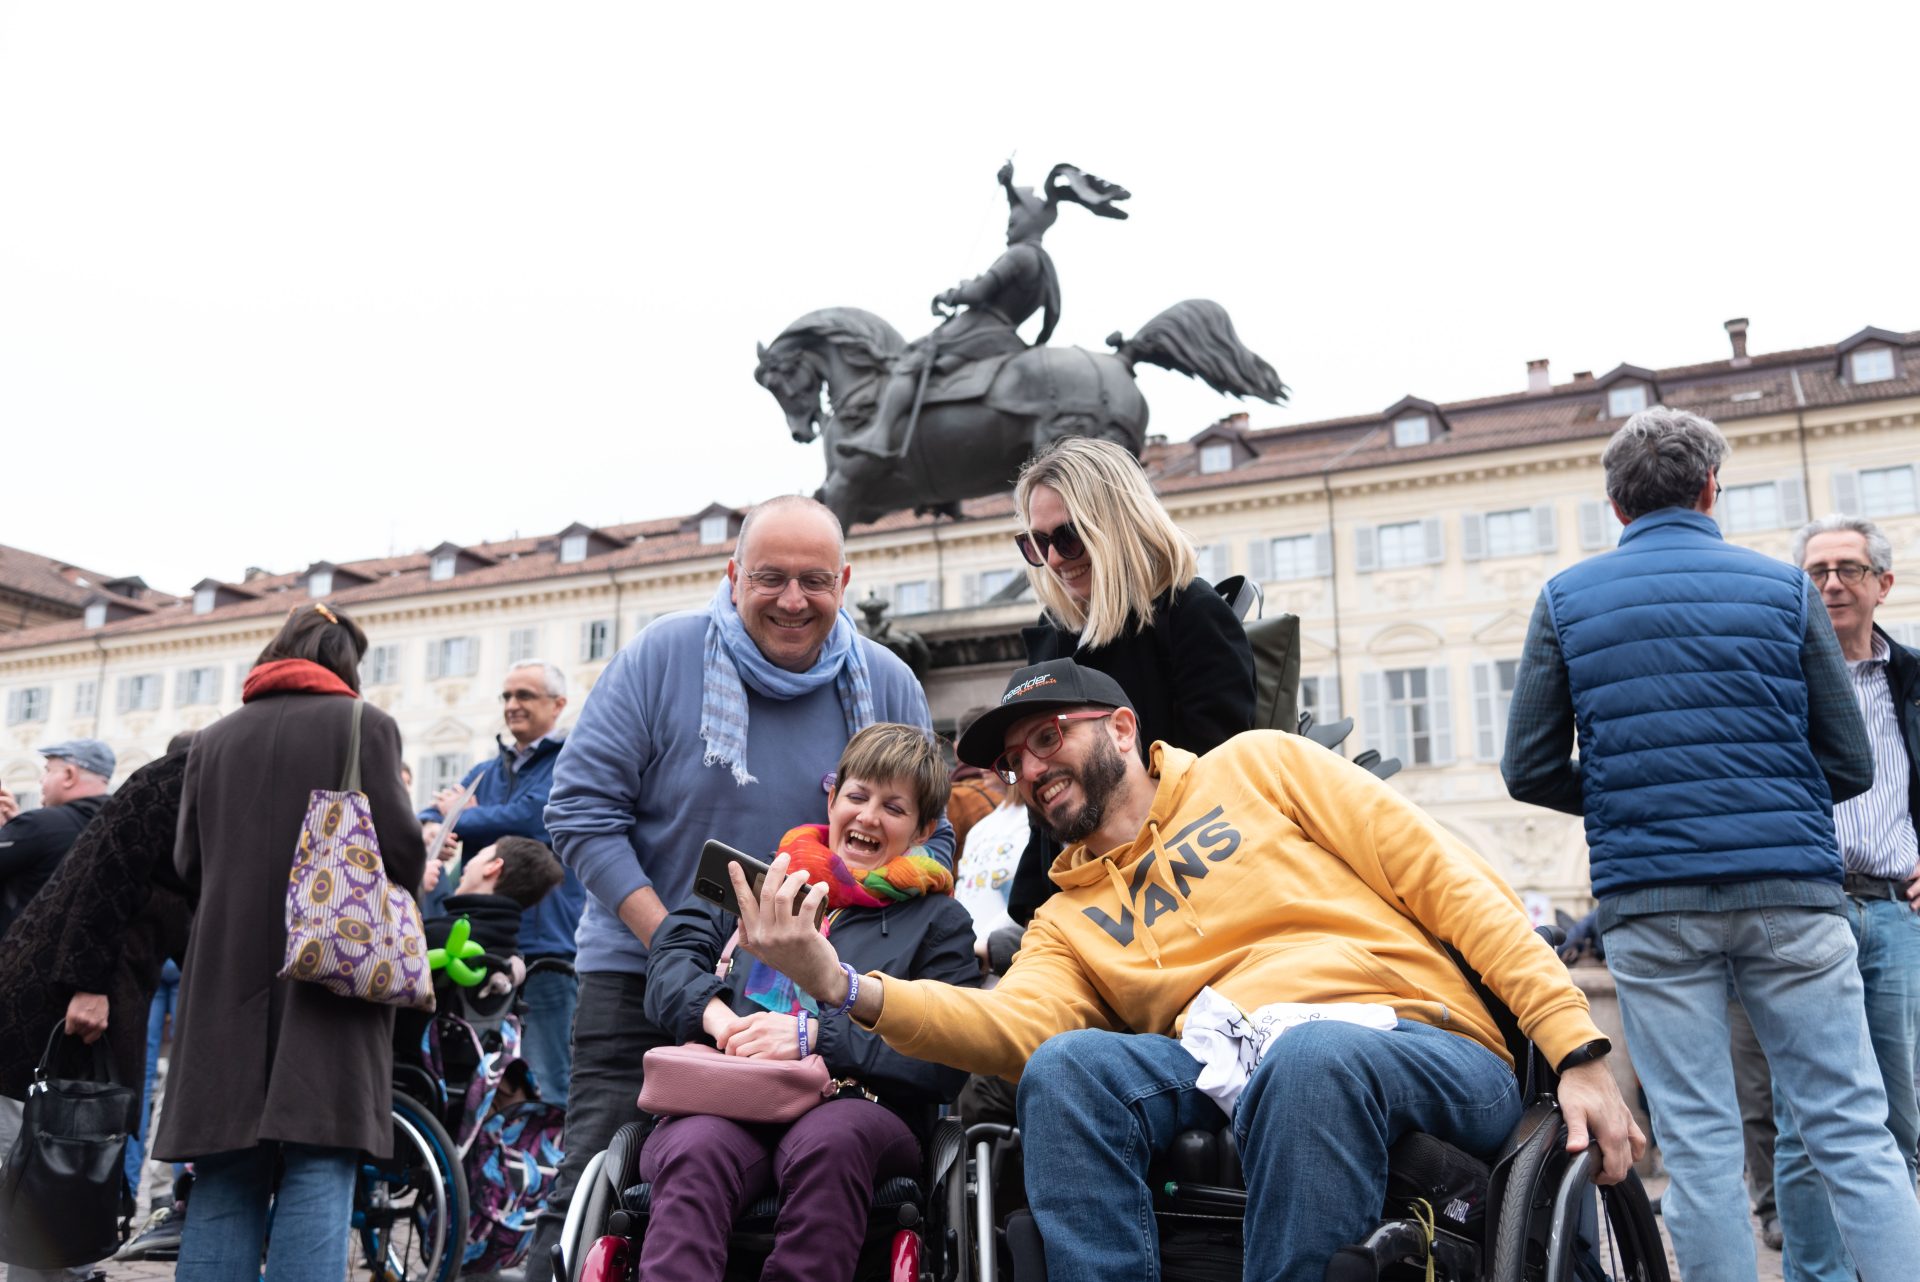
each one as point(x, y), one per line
point(801, 1016)
point(853, 989)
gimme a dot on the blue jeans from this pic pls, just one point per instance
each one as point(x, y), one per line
point(165, 998)
point(1796, 975)
point(1095, 1107)
point(312, 1211)
point(1888, 937)
point(546, 1031)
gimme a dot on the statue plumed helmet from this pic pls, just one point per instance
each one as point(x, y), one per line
point(1031, 213)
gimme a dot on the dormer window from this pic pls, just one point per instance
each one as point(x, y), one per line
point(1626, 400)
point(442, 567)
point(96, 615)
point(203, 602)
point(1412, 429)
point(319, 583)
point(1216, 457)
point(1872, 364)
point(713, 529)
point(573, 548)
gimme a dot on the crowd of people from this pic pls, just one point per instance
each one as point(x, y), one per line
point(1043, 928)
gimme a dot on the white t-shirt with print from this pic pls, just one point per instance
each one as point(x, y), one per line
point(985, 876)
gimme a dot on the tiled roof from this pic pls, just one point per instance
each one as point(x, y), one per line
point(56, 582)
point(1570, 411)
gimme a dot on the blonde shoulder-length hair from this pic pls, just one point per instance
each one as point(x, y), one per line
point(1135, 550)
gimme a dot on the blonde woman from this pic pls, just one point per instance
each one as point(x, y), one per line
point(1118, 580)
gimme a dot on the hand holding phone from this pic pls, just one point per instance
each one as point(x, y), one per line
point(711, 883)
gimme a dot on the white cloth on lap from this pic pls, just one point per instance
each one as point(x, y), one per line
point(1229, 1043)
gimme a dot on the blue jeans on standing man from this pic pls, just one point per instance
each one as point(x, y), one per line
point(1314, 1126)
point(1796, 974)
point(546, 1030)
point(312, 1212)
point(1887, 933)
point(165, 998)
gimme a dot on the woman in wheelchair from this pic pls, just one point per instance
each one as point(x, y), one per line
point(887, 910)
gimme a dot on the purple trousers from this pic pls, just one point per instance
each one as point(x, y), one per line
point(706, 1170)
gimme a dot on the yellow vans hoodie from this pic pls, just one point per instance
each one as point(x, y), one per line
point(1271, 870)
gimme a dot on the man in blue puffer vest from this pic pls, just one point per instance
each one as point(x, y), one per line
point(1716, 728)
point(511, 801)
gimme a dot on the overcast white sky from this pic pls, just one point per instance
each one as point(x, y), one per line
point(281, 282)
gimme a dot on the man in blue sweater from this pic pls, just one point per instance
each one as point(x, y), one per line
point(722, 724)
point(1716, 727)
point(511, 801)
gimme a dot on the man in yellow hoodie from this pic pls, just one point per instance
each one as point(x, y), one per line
point(1268, 871)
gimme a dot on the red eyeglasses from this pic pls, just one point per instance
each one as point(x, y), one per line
point(1042, 741)
point(1033, 544)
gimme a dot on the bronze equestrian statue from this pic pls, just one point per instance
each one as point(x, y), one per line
point(954, 415)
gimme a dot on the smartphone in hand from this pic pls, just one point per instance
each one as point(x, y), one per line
point(711, 883)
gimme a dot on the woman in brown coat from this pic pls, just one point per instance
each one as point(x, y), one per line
point(270, 1072)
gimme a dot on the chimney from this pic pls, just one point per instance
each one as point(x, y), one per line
point(254, 572)
point(1583, 376)
point(1737, 332)
point(1538, 379)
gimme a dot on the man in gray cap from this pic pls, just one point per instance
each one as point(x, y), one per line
point(73, 787)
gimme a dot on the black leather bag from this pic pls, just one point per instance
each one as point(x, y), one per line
point(61, 1191)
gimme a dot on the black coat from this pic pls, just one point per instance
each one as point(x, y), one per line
point(32, 846)
point(258, 1058)
point(930, 937)
point(1903, 681)
point(1190, 677)
point(106, 923)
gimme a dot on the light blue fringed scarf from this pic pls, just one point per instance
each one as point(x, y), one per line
point(734, 662)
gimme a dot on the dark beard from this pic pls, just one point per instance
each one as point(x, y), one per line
point(1099, 779)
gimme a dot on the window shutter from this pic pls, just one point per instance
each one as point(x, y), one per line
point(1218, 562)
point(1375, 728)
point(1593, 534)
point(473, 659)
point(1364, 557)
point(1323, 553)
point(970, 590)
point(1483, 711)
point(586, 641)
point(1473, 536)
point(1793, 501)
point(1846, 492)
point(1441, 710)
point(1436, 540)
point(436, 654)
point(182, 687)
point(1330, 697)
point(1260, 560)
point(1546, 528)
point(934, 587)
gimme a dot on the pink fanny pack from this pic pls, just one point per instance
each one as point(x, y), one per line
point(683, 1081)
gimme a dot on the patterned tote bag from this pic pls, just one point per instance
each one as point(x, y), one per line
point(349, 929)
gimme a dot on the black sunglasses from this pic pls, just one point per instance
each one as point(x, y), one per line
point(1033, 544)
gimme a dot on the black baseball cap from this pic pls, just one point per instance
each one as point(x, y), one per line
point(1055, 686)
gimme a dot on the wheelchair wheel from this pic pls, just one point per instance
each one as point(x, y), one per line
point(410, 1210)
point(1516, 1242)
point(1630, 1248)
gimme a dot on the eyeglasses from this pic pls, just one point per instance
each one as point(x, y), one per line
point(523, 696)
point(1042, 741)
point(773, 582)
point(1850, 572)
point(1033, 544)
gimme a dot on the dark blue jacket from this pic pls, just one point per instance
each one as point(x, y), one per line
point(1684, 661)
point(510, 803)
point(1903, 680)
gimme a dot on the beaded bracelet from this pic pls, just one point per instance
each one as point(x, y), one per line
point(801, 1016)
point(853, 990)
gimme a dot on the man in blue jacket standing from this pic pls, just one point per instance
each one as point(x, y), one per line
point(510, 800)
point(719, 723)
point(1716, 728)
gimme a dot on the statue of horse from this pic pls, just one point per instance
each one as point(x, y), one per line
point(972, 437)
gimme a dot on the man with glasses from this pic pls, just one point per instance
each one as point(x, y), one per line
point(1850, 563)
point(720, 723)
point(1267, 871)
point(510, 800)
point(1716, 728)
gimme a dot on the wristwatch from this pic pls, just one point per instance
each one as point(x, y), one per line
point(1586, 1054)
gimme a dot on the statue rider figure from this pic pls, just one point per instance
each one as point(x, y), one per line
point(983, 314)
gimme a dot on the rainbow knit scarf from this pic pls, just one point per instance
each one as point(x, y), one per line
point(902, 877)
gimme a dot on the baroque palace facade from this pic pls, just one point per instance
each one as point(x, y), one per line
point(1411, 542)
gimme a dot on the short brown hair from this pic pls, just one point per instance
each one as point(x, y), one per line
point(528, 870)
point(889, 752)
point(321, 634)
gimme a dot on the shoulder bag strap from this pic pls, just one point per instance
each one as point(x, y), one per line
point(726, 954)
point(350, 779)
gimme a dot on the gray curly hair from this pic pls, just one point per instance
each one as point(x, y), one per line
point(1661, 458)
point(1879, 550)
